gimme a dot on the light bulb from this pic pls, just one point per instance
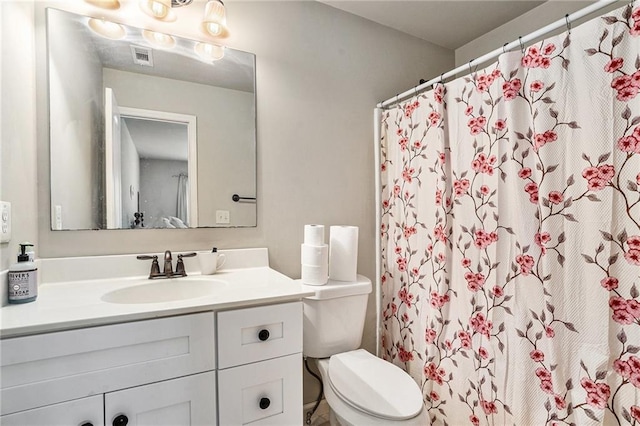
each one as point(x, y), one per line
point(209, 52)
point(105, 4)
point(164, 41)
point(214, 29)
point(158, 9)
point(106, 29)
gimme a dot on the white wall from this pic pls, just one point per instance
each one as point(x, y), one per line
point(159, 189)
point(76, 100)
point(225, 135)
point(533, 20)
point(320, 73)
point(18, 131)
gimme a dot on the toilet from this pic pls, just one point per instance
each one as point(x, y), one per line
point(360, 388)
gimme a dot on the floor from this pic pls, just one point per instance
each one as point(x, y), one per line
point(320, 417)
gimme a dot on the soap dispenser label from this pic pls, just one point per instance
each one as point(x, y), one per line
point(23, 284)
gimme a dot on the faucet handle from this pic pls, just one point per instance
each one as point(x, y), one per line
point(180, 270)
point(155, 267)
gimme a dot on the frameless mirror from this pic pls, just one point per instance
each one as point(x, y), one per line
point(148, 130)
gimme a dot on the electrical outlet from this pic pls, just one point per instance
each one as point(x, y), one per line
point(5, 222)
point(222, 216)
point(57, 218)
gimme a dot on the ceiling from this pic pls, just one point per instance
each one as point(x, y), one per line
point(433, 20)
point(158, 140)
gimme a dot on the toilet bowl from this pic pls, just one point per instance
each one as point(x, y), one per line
point(363, 390)
point(360, 388)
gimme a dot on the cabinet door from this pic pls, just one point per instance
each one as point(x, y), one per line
point(184, 401)
point(81, 412)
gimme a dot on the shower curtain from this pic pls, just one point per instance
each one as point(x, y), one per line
point(510, 235)
point(183, 198)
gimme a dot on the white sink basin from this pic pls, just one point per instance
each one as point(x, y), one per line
point(164, 290)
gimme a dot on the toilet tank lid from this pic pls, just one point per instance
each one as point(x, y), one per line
point(333, 289)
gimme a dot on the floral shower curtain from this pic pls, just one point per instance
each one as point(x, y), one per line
point(511, 234)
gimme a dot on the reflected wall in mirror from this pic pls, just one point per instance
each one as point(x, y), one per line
point(147, 137)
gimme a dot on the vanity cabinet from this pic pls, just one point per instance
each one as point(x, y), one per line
point(260, 365)
point(158, 372)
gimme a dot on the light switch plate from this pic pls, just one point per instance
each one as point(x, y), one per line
point(222, 216)
point(5, 222)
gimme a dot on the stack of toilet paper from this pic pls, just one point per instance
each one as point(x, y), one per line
point(338, 261)
point(314, 256)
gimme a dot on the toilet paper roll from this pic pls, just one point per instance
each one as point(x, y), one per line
point(314, 255)
point(343, 253)
point(314, 275)
point(314, 235)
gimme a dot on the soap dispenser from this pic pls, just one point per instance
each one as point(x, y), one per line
point(23, 278)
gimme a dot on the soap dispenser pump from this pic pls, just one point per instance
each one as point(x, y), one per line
point(23, 278)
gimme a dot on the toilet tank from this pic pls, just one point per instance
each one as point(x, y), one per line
point(334, 317)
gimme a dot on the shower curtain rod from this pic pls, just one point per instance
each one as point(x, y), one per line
point(521, 41)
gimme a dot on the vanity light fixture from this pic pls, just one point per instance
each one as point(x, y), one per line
point(209, 52)
point(215, 19)
point(106, 28)
point(214, 22)
point(105, 4)
point(160, 40)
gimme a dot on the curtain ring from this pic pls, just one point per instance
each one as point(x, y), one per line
point(504, 46)
point(470, 72)
point(442, 78)
point(521, 45)
point(566, 18)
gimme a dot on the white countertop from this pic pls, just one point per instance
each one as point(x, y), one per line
point(75, 304)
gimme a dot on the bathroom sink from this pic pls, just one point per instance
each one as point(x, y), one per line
point(167, 290)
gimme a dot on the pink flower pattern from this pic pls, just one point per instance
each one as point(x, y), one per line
point(511, 235)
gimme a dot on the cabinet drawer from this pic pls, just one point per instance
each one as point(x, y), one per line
point(45, 369)
point(262, 393)
point(71, 413)
point(255, 334)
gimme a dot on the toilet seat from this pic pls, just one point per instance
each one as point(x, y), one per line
point(374, 386)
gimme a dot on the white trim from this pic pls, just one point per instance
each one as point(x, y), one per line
point(499, 51)
point(112, 170)
point(377, 118)
point(192, 167)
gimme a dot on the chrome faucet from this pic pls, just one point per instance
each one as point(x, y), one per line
point(168, 265)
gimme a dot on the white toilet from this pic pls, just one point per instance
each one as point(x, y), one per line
point(361, 389)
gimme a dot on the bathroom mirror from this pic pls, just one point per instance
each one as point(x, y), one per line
point(148, 130)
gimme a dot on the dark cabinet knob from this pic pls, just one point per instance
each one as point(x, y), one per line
point(264, 403)
point(263, 335)
point(120, 420)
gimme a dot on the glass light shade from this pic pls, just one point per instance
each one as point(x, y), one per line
point(209, 52)
point(163, 41)
point(215, 19)
point(105, 4)
point(106, 29)
point(158, 9)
